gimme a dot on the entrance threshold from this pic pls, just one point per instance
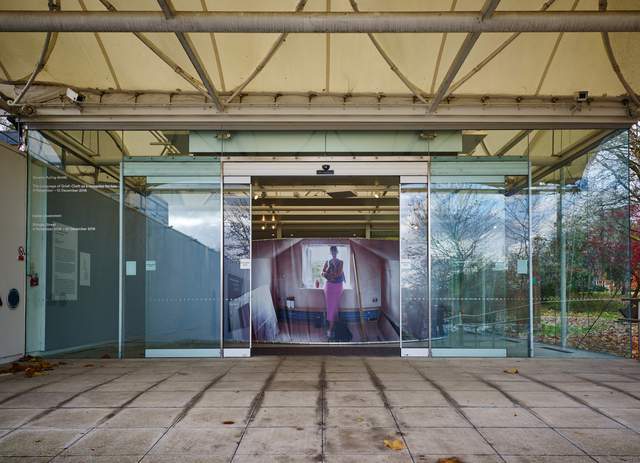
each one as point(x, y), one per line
point(341, 350)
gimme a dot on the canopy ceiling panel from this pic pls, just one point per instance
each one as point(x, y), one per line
point(285, 69)
point(516, 69)
point(405, 69)
point(573, 66)
point(138, 68)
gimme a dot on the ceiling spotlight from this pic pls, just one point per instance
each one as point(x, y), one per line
point(256, 196)
point(376, 195)
point(273, 227)
point(273, 218)
point(264, 218)
point(263, 227)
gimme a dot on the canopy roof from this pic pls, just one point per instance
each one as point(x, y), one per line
point(339, 80)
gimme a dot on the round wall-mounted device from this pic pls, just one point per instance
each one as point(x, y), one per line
point(13, 299)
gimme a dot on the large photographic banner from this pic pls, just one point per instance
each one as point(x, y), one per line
point(325, 290)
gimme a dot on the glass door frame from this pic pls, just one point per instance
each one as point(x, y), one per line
point(169, 166)
point(231, 352)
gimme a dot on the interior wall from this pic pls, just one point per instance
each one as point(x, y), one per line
point(13, 204)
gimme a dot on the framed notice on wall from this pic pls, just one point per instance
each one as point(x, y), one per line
point(64, 263)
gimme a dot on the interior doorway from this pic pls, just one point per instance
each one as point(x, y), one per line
point(301, 228)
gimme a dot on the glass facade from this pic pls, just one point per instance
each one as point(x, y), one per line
point(157, 253)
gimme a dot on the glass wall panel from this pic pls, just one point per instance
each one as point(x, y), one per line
point(72, 254)
point(581, 253)
point(479, 267)
point(237, 268)
point(171, 264)
point(414, 267)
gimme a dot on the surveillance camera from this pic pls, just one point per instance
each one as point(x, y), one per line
point(326, 167)
point(75, 96)
point(582, 96)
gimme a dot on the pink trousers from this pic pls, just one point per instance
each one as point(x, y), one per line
point(332, 294)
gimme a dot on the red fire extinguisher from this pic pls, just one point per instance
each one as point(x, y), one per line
point(21, 253)
point(34, 280)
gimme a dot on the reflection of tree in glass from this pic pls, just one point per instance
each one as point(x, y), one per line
point(461, 221)
point(237, 227)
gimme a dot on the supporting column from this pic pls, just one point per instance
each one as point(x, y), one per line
point(563, 261)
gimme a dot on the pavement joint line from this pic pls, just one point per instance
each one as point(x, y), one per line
point(57, 406)
point(108, 416)
point(613, 388)
point(581, 401)
point(525, 407)
point(41, 385)
point(192, 403)
point(380, 389)
point(454, 403)
point(256, 403)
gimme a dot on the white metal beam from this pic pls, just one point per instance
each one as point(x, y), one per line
point(190, 50)
point(469, 41)
point(321, 22)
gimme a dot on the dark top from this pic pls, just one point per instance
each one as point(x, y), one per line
point(333, 272)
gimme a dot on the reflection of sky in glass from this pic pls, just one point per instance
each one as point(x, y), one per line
point(197, 215)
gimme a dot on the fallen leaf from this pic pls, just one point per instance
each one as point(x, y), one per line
point(450, 460)
point(228, 422)
point(395, 444)
point(512, 371)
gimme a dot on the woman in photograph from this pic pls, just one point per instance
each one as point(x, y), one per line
point(334, 274)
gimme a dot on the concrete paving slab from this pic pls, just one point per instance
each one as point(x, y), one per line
point(70, 418)
point(281, 441)
point(351, 386)
point(607, 399)
point(142, 418)
point(13, 418)
point(430, 417)
point(480, 398)
point(354, 417)
point(544, 399)
point(353, 399)
point(529, 441)
point(516, 417)
point(358, 441)
point(620, 442)
point(574, 418)
point(447, 441)
point(115, 442)
point(297, 417)
point(221, 417)
point(629, 417)
point(290, 399)
point(37, 442)
point(98, 399)
point(416, 399)
point(37, 400)
point(213, 398)
point(153, 399)
point(186, 441)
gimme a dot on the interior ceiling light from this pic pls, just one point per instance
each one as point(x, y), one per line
point(256, 196)
point(264, 219)
point(273, 218)
point(273, 227)
point(263, 227)
point(376, 195)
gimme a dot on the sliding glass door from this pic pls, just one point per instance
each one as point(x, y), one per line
point(479, 258)
point(170, 244)
point(464, 237)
